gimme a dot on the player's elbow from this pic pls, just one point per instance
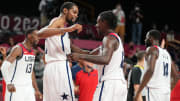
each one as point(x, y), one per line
point(106, 60)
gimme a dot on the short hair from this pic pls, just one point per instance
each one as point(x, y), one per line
point(110, 17)
point(67, 5)
point(155, 34)
point(140, 55)
point(29, 31)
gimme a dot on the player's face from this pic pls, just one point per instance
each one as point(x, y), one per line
point(148, 40)
point(34, 39)
point(72, 14)
point(100, 25)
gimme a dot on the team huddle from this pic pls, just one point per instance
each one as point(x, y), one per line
point(17, 68)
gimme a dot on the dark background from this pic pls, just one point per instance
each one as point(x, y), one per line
point(155, 11)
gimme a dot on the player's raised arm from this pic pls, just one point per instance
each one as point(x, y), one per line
point(54, 29)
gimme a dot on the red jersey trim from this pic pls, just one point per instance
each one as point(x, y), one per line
point(25, 51)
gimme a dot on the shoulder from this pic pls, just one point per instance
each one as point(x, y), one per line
point(16, 51)
point(17, 48)
point(55, 23)
point(110, 38)
point(152, 49)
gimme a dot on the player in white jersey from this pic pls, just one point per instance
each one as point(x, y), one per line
point(158, 67)
point(18, 73)
point(112, 85)
point(57, 80)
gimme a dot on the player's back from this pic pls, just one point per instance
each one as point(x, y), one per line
point(114, 70)
point(162, 72)
point(21, 69)
point(57, 47)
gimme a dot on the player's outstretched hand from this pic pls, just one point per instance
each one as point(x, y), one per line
point(38, 94)
point(74, 27)
point(11, 88)
point(3, 50)
point(73, 57)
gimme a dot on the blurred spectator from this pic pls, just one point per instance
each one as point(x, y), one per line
point(130, 51)
point(47, 10)
point(135, 77)
point(86, 80)
point(165, 28)
point(136, 18)
point(165, 31)
point(11, 43)
point(120, 29)
point(43, 13)
point(154, 26)
point(170, 35)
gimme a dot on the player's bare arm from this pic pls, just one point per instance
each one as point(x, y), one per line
point(3, 52)
point(151, 57)
point(109, 46)
point(55, 28)
point(16, 52)
point(34, 83)
point(136, 87)
point(76, 49)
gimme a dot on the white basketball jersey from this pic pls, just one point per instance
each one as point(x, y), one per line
point(20, 72)
point(114, 70)
point(162, 72)
point(57, 47)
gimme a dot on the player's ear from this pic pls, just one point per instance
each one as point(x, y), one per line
point(65, 10)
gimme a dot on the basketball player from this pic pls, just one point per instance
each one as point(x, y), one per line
point(158, 67)
point(112, 85)
point(57, 80)
point(18, 73)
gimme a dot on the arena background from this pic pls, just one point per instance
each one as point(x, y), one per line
point(160, 12)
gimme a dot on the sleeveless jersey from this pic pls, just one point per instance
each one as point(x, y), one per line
point(20, 72)
point(57, 47)
point(162, 72)
point(114, 70)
